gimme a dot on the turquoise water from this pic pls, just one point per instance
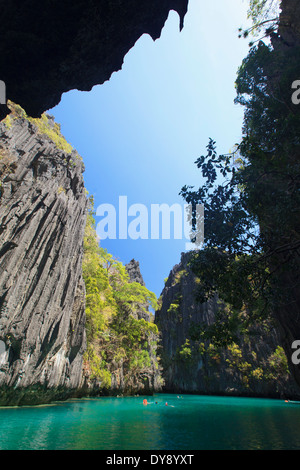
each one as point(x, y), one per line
point(187, 423)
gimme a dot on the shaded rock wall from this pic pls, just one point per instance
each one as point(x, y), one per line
point(48, 48)
point(281, 72)
point(193, 366)
point(42, 310)
point(133, 269)
point(289, 27)
point(153, 379)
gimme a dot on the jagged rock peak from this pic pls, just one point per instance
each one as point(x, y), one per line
point(134, 272)
point(133, 269)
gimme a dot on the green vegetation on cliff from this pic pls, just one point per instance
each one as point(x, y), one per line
point(45, 125)
point(252, 199)
point(213, 348)
point(120, 343)
point(264, 15)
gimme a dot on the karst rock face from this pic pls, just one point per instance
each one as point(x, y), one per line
point(192, 364)
point(135, 275)
point(50, 47)
point(42, 295)
point(153, 378)
point(289, 27)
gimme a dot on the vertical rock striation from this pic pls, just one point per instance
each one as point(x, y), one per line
point(282, 71)
point(152, 378)
point(254, 366)
point(133, 270)
point(42, 294)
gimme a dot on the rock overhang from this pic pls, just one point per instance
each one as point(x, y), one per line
point(49, 48)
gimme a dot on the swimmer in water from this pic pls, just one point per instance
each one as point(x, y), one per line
point(167, 404)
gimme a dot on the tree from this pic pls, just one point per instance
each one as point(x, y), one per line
point(264, 15)
point(117, 338)
point(252, 198)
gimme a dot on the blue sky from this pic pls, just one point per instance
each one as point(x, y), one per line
point(140, 133)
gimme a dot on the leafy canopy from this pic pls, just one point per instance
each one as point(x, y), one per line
point(251, 196)
point(116, 335)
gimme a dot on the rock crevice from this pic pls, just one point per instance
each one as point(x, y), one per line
point(42, 218)
point(253, 366)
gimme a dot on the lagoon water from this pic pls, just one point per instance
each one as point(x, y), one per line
point(190, 422)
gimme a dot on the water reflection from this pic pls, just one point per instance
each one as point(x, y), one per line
point(191, 423)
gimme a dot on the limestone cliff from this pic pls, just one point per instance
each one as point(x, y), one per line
point(50, 47)
point(255, 365)
point(133, 269)
point(43, 303)
point(134, 272)
point(153, 378)
point(42, 219)
point(121, 336)
point(149, 379)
